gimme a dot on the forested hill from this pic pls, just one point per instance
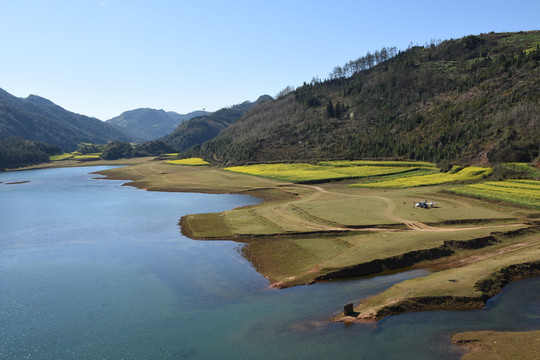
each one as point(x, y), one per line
point(474, 99)
point(151, 124)
point(206, 127)
point(36, 118)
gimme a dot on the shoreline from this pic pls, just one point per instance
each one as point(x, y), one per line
point(499, 344)
point(262, 190)
point(488, 288)
point(416, 304)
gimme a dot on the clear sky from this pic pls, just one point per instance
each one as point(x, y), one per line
point(100, 58)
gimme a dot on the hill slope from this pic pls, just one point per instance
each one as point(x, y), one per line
point(474, 99)
point(150, 124)
point(36, 118)
point(203, 128)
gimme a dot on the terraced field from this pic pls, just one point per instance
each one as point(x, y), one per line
point(524, 192)
point(330, 170)
point(467, 174)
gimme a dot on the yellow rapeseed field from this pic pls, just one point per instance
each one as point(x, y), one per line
point(87, 156)
point(468, 173)
point(60, 157)
point(303, 172)
point(524, 192)
point(418, 164)
point(190, 161)
point(74, 155)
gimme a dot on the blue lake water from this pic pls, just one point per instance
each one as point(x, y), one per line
point(90, 269)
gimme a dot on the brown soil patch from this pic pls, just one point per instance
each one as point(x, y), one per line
point(442, 265)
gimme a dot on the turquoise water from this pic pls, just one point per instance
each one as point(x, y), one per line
point(90, 269)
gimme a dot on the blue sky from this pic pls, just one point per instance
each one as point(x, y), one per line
point(102, 57)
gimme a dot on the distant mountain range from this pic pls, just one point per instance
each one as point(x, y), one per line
point(203, 128)
point(150, 124)
point(36, 118)
point(469, 100)
point(39, 119)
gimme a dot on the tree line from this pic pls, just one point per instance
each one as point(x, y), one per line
point(16, 152)
point(118, 149)
point(363, 63)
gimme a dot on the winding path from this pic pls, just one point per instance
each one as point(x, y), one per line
point(287, 217)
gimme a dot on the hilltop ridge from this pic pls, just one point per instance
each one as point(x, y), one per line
point(39, 119)
point(469, 100)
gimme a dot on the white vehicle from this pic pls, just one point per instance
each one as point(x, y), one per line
point(425, 204)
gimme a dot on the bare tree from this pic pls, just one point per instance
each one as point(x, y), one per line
point(377, 57)
point(384, 54)
point(370, 60)
point(363, 63)
point(336, 73)
point(289, 89)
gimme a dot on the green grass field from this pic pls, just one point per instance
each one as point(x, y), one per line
point(320, 256)
point(159, 176)
point(457, 282)
point(376, 207)
point(531, 171)
point(489, 345)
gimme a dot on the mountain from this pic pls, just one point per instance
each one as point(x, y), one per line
point(150, 124)
point(36, 118)
point(206, 127)
point(469, 100)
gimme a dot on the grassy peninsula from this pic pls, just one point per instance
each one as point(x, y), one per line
point(488, 345)
point(305, 232)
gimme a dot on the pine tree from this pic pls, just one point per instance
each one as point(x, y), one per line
point(339, 110)
point(330, 109)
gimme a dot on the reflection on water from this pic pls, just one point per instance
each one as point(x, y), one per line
point(90, 269)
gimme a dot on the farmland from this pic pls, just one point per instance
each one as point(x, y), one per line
point(75, 156)
point(532, 172)
point(458, 175)
point(345, 163)
point(313, 227)
point(189, 161)
point(330, 170)
point(524, 192)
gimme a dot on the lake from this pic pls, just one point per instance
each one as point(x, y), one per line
point(90, 269)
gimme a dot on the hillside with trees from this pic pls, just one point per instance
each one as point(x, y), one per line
point(117, 149)
point(469, 100)
point(151, 124)
point(38, 119)
point(16, 152)
point(200, 129)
